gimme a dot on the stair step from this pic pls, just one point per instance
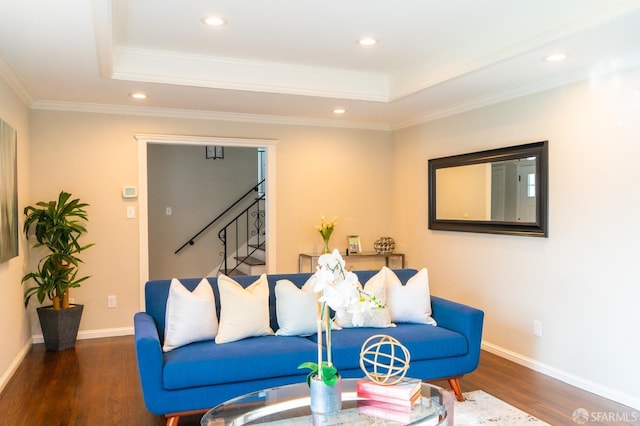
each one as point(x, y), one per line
point(232, 273)
point(257, 246)
point(250, 260)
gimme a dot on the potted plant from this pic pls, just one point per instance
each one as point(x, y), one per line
point(339, 290)
point(57, 226)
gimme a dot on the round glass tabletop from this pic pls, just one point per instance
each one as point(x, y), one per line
point(289, 405)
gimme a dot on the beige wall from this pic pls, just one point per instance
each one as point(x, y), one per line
point(330, 171)
point(582, 281)
point(16, 334)
point(197, 190)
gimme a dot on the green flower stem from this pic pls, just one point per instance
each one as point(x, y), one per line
point(319, 370)
point(327, 320)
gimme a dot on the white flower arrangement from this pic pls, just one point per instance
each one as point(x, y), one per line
point(339, 290)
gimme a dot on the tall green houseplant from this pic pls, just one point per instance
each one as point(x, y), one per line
point(57, 226)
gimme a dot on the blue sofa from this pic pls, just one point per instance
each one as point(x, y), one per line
point(198, 376)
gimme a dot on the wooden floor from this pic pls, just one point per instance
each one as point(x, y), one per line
point(97, 384)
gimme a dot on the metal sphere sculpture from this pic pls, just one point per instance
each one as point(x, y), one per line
point(384, 359)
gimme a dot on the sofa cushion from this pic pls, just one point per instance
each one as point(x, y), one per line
point(191, 315)
point(208, 363)
point(423, 341)
point(410, 302)
point(375, 286)
point(244, 312)
point(296, 309)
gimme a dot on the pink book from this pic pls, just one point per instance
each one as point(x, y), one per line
point(403, 390)
point(398, 403)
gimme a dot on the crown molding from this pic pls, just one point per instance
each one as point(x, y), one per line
point(238, 74)
point(204, 115)
point(102, 12)
point(576, 76)
point(454, 109)
point(11, 78)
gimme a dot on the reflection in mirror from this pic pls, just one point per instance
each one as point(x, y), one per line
point(501, 190)
point(497, 191)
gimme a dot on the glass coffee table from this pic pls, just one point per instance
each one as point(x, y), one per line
point(289, 405)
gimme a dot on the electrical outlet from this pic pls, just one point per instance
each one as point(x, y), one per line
point(537, 328)
point(111, 301)
point(168, 211)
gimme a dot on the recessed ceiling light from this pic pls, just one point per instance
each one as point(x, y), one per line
point(367, 41)
point(339, 111)
point(556, 57)
point(138, 95)
point(214, 21)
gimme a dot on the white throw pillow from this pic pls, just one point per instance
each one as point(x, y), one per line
point(244, 312)
point(296, 309)
point(375, 286)
point(410, 302)
point(190, 316)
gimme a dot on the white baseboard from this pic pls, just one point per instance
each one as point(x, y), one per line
point(89, 334)
point(564, 376)
point(94, 334)
point(8, 373)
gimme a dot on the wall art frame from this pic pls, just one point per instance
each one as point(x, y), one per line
point(8, 192)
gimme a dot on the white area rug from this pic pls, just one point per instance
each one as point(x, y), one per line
point(480, 408)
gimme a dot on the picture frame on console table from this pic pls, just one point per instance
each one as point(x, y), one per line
point(353, 244)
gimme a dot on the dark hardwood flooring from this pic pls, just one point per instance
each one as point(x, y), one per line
point(96, 383)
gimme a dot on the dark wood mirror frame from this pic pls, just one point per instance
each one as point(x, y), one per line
point(531, 229)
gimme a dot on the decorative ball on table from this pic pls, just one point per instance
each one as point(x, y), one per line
point(384, 245)
point(384, 360)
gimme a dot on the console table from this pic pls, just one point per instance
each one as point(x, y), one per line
point(312, 258)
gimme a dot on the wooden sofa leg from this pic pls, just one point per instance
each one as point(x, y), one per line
point(455, 386)
point(172, 420)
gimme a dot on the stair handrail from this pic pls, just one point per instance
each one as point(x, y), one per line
point(191, 241)
point(222, 236)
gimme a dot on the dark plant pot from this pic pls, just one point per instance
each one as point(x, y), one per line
point(60, 328)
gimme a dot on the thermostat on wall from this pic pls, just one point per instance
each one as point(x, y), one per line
point(129, 192)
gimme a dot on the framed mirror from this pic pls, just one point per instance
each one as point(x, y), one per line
point(499, 191)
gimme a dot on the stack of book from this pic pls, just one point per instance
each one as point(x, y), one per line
point(392, 402)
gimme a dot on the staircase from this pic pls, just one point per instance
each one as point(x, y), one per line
point(243, 237)
point(253, 264)
point(243, 240)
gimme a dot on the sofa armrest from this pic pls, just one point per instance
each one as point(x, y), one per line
point(460, 318)
point(150, 360)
